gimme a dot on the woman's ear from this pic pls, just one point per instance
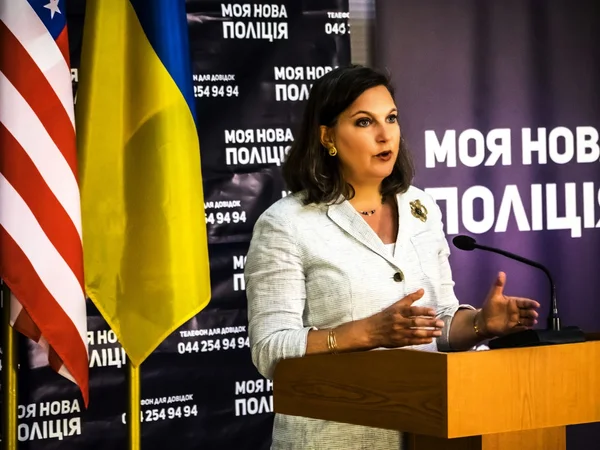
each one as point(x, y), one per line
point(326, 137)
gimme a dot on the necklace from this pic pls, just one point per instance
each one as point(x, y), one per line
point(368, 213)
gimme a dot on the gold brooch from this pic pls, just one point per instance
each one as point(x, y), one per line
point(418, 210)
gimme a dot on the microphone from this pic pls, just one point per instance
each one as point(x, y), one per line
point(467, 243)
point(553, 334)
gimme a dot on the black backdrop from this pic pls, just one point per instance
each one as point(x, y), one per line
point(253, 64)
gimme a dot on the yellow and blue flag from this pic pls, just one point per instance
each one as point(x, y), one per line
point(144, 233)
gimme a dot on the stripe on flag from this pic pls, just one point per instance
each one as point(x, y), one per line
point(25, 24)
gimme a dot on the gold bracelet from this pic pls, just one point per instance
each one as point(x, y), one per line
point(331, 342)
point(476, 327)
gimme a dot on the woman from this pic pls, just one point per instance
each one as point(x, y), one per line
point(356, 258)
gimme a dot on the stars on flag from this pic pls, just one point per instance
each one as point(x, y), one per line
point(53, 7)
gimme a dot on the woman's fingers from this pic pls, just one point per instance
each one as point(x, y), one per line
point(425, 322)
point(526, 303)
point(412, 311)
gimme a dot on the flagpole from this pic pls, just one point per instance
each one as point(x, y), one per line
point(133, 406)
point(9, 376)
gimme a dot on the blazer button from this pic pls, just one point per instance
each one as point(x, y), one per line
point(399, 276)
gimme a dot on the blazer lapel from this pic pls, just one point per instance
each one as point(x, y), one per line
point(349, 220)
point(406, 222)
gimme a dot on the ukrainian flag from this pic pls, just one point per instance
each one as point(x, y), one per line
point(144, 232)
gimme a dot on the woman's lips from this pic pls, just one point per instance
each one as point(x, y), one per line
point(384, 156)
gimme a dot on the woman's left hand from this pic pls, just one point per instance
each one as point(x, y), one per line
point(501, 314)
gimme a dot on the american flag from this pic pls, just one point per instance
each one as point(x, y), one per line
point(41, 257)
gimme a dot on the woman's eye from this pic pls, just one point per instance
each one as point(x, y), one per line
point(364, 122)
point(392, 118)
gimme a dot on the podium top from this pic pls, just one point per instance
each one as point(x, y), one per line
point(446, 395)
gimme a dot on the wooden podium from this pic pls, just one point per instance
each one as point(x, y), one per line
point(495, 399)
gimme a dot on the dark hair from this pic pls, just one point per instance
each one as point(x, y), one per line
point(308, 166)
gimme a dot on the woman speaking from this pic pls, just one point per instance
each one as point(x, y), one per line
point(356, 258)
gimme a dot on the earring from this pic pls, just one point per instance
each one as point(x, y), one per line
point(332, 151)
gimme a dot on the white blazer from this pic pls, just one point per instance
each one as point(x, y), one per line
point(318, 266)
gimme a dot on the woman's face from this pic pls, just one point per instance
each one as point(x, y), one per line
point(367, 137)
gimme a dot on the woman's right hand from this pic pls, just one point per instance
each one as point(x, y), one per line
point(402, 324)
